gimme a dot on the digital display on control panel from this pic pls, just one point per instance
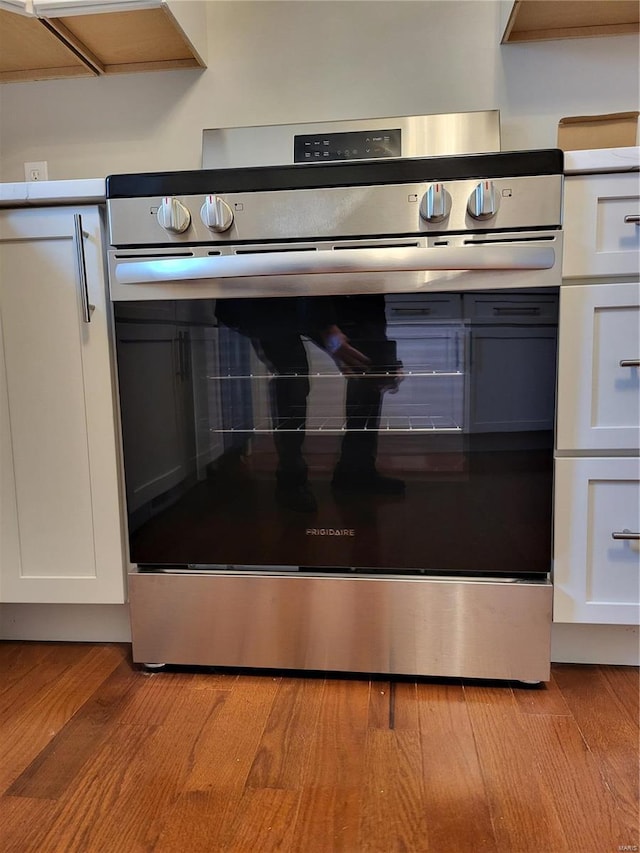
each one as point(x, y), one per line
point(354, 145)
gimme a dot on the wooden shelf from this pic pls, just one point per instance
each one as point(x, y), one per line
point(124, 42)
point(137, 40)
point(542, 20)
point(29, 51)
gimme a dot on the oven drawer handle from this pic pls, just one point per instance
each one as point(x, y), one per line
point(347, 261)
point(625, 534)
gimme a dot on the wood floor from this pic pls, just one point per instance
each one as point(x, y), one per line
point(97, 756)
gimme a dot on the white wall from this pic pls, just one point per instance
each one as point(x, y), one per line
point(273, 62)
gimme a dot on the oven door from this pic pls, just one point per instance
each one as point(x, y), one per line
point(377, 433)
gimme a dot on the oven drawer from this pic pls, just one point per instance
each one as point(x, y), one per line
point(599, 368)
point(597, 558)
point(602, 234)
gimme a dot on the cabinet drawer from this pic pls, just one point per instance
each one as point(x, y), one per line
point(512, 309)
point(599, 376)
point(423, 308)
point(596, 562)
point(597, 239)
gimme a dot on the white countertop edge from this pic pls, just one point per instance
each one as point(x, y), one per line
point(81, 191)
point(592, 161)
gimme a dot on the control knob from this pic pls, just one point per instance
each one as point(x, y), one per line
point(173, 215)
point(216, 214)
point(483, 201)
point(436, 203)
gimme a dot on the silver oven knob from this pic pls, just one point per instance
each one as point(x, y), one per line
point(483, 201)
point(216, 213)
point(436, 203)
point(173, 215)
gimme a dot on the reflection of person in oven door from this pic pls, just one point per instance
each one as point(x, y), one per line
point(352, 330)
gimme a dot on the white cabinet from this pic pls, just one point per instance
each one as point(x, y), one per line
point(597, 515)
point(602, 234)
point(599, 368)
point(61, 533)
point(597, 486)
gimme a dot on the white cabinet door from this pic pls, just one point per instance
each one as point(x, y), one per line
point(61, 522)
point(601, 230)
point(599, 368)
point(597, 557)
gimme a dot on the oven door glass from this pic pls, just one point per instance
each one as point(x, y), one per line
point(378, 434)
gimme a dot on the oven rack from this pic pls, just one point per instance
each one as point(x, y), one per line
point(396, 424)
point(389, 374)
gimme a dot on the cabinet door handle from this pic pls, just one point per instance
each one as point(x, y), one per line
point(516, 311)
point(78, 242)
point(632, 219)
point(625, 534)
point(411, 312)
point(630, 362)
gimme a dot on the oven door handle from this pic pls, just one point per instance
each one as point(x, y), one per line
point(323, 262)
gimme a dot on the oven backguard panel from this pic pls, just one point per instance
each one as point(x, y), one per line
point(457, 401)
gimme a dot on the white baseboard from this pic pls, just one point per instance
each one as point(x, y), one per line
point(606, 644)
point(109, 623)
point(80, 623)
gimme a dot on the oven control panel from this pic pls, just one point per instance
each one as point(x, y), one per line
point(455, 206)
point(353, 145)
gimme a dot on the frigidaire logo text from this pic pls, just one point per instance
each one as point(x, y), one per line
point(330, 531)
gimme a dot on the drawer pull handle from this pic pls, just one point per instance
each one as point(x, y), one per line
point(508, 311)
point(632, 219)
point(625, 534)
point(630, 362)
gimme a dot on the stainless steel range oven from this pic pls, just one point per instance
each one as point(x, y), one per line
point(337, 391)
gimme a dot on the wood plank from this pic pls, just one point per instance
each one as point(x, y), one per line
point(20, 661)
point(545, 699)
point(393, 813)
point(588, 813)
point(330, 804)
point(608, 732)
point(624, 685)
point(56, 767)
point(28, 729)
point(24, 823)
point(163, 696)
point(283, 750)
point(380, 697)
point(227, 745)
point(328, 819)
point(26, 684)
point(455, 806)
point(523, 813)
point(123, 773)
point(199, 821)
point(143, 785)
point(337, 750)
point(264, 822)
point(404, 707)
